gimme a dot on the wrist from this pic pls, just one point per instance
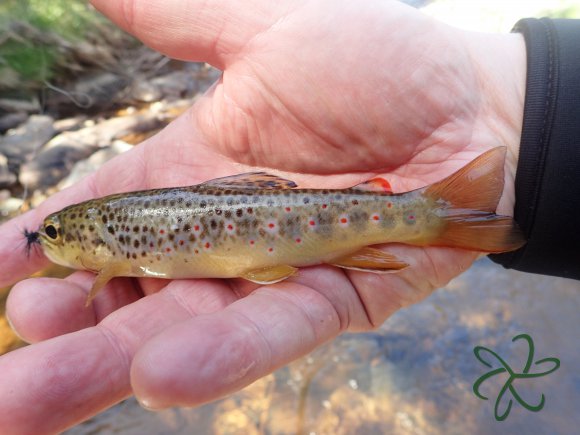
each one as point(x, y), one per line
point(500, 62)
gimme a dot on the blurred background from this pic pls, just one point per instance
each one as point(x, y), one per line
point(75, 91)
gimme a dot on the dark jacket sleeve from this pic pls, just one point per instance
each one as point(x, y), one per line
point(547, 182)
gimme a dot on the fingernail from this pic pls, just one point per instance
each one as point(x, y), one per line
point(14, 330)
point(148, 404)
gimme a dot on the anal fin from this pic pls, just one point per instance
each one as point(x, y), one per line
point(270, 275)
point(104, 276)
point(370, 260)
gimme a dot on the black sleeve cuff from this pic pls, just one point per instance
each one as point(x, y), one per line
point(547, 181)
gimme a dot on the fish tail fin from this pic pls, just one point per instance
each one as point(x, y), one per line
point(469, 198)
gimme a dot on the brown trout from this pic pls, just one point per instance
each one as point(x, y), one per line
point(261, 227)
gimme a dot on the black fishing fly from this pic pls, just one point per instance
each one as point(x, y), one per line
point(32, 239)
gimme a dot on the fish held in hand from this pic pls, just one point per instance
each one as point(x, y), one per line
point(262, 228)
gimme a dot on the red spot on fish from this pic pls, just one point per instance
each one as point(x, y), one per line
point(252, 242)
point(411, 217)
point(270, 249)
point(375, 217)
point(207, 245)
point(230, 227)
point(343, 220)
point(196, 227)
point(181, 243)
point(324, 205)
point(288, 209)
point(151, 245)
point(298, 240)
point(168, 249)
point(311, 223)
point(161, 231)
point(271, 225)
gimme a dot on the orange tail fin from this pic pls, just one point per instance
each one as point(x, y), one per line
point(469, 198)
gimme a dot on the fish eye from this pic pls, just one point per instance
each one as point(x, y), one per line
point(51, 232)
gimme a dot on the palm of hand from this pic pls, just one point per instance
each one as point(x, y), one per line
point(195, 340)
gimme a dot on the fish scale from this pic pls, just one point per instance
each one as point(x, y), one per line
point(260, 227)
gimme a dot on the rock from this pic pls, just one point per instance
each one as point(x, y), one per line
point(11, 120)
point(144, 91)
point(21, 143)
point(7, 178)
point(13, 105)
point(94, 162)
point(9, 207)
point(52, 164)
point(96, 90)
point(175, 85)
point(101, 134)
point(69, 124)
point(9, 78)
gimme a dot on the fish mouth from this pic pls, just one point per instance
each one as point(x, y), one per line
point(32, 239)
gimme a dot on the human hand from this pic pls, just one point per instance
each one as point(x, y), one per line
point(336, 92)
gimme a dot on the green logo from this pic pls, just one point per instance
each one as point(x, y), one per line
point(509, 385)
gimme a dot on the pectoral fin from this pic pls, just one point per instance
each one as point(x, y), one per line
point(104, 276)
point(270, 275)
point(370, 260)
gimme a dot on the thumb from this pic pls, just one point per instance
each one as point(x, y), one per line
point(194, 30)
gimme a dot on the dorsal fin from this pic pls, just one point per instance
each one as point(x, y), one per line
point(377, 184)
point(252, 181)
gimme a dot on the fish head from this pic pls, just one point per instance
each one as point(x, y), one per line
point(72, 238)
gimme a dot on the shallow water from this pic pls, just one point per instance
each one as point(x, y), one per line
point(412, 376)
